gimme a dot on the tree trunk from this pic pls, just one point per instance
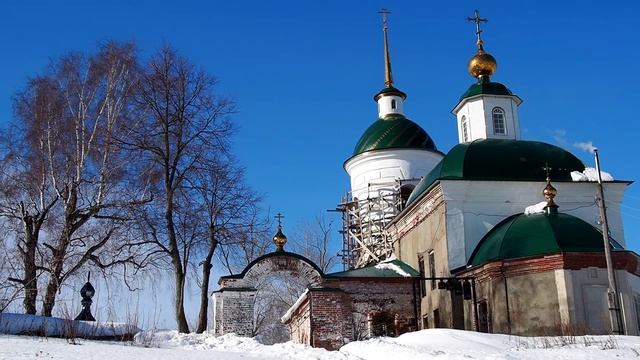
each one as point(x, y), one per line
point(57, 264)
point(30, 274)
point(204, 289)
point(181, 318)
point(176, 260)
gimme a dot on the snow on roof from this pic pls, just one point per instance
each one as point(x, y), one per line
point(388, 265)
point(590, 174)
point(536, 208)
point(295, 306)
point(18, 324)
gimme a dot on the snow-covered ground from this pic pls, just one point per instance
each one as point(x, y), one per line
point(426, 344)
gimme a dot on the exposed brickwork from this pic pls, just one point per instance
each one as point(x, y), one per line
point(331, 313)
point(622, 260)
point(234, 302)
point(336, 310)
point(234, 312)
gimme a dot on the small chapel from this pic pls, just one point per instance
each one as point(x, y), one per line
point(499, 234)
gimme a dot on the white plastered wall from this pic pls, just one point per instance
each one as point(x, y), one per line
point(375, 170)
point(385, 105)
point(478, 111)
point(582, 299)
point(475, 207)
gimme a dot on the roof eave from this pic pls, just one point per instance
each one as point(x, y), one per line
point(461, 103)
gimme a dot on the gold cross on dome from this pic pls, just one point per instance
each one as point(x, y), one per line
point(477, 19)
point(279, 217)
point(385, 13)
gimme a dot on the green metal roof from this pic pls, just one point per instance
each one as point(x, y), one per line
point(485, 86)
point(391, 132)
point(538, 234)
point(389, 90)
point(387, 269)
point(502, 160)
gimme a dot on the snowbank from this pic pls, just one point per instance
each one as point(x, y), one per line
point(425, 344)
point(590, 174)
point(23, 324)
point(233, 345)
point(458, 344)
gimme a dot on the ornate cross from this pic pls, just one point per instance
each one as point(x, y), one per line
point(547, 169)
point(279, 217)
point(385, 13)
point(477, 19)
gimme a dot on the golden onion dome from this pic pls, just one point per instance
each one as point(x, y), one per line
point(279, 239)
point(482, 64)
point(549, 193)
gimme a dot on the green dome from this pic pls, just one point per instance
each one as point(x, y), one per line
point(501, 160)
point(394, 131)
point(538, 234)
point(485, 86)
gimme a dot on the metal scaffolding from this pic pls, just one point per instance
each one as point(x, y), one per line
point(364, 239)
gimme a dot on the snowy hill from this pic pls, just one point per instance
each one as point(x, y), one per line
point(426, 344)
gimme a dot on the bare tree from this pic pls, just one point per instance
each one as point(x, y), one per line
point(183, 123)
point(227, 207)
point(26, 197)
point(70, 168)
point(312, 239)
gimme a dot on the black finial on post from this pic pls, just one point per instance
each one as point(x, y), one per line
point(87, 293)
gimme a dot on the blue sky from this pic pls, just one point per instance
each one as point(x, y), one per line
point(304, 73)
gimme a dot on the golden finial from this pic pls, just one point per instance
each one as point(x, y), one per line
point(279, 238)
point(388, 76)
point(482, 64)
point(549, 191)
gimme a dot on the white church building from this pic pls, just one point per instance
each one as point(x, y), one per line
point(465, 221)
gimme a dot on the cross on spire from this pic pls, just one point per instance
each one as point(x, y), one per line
point(388, 76)
point(385, 13)
point(547, 169)
point(279, 217)
point(477, 19)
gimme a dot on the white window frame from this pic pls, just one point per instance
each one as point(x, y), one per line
point(465, 129)
point(498, 120)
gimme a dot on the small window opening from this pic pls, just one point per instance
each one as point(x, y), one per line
point(499, 127)
point(465, 130)
point(393, 104)
point(432, 268)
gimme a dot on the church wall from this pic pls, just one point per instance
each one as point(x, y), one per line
point(478, 112)
point(330, 326)
point(475, 207)
point(588, 300)
point(374, 295)
point(385, 166)
point(631, 304)
point(428, 235)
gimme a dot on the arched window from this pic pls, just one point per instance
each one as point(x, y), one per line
point(393, 104)
point(499, 127)
point(465, 130)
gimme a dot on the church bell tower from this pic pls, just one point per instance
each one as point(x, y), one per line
point(487, 110)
